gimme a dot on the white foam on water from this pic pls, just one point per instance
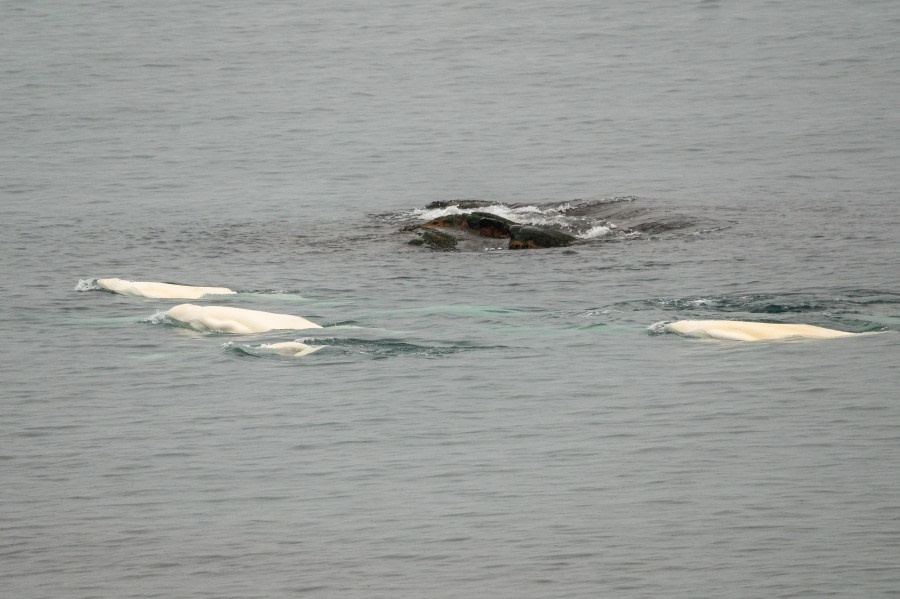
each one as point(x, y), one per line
point(658, 328)
point(87, 285)
point(702, 301)
point(158, 317)
point(526, 215)
point(596, 231)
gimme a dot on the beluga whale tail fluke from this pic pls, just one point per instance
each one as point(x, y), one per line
point(154, 290)
point(738, 330)
point(235, 320)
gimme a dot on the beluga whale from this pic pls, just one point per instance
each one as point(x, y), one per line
point(241, 321)
point(294, 349)
point(739, 330)
point(154, 290)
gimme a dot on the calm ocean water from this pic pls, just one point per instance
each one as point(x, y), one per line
point(479, 423)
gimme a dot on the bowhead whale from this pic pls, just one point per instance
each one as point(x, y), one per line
point(159, 290)
point(737, 330)
point(235, 320)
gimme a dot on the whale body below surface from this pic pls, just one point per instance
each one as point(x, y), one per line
point(235, 320)
point(737, 330)
point(155, 290)
point(291, 348)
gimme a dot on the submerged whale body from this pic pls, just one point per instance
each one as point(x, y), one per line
point(235, 320)
point(291, 348)
point(155, 290)
point(737, 330)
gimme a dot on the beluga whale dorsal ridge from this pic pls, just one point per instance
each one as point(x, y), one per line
point(235, 320)
point(154, 290)
point(738, 330)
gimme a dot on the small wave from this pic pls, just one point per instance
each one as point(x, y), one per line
point(384, 348)
point(275, 295)
point(763, 303)
point(529, 214)
point(293, 292)
point(749, 304)
point(658, 328)
point(88, 285)
point(159, 317)
point(690, 303)
point(597, 231)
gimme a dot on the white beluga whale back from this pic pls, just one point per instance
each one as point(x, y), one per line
point(155, 290)
point(738, 330)
point(235, 320)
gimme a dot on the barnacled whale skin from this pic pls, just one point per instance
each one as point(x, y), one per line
point(486, 224)
point(529, 236)
point(235, 320)
point(480, 223)
point(737, 330)
point(432, 238)
point(155, 290)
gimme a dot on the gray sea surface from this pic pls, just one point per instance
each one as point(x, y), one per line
point(481, 423)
